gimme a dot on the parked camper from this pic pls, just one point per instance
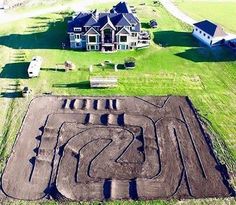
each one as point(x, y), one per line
point(34, 67)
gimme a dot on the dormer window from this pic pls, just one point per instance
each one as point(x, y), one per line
point(78, 29)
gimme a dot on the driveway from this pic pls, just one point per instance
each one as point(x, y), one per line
point(174, 10)
point(80, 6)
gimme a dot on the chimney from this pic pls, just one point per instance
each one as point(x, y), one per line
point(96, 14)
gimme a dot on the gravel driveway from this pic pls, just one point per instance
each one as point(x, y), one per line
point(174, 10)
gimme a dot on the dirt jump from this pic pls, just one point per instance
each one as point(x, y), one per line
point(108, 148)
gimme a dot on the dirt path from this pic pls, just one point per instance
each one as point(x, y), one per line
point(176, 12)
point(7, 18)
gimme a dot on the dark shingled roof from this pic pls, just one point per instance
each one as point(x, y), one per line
point(91, 21)
point(121, 7)
point(210, 28)
point(94, 19)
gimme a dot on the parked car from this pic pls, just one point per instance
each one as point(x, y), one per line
point(153, 23)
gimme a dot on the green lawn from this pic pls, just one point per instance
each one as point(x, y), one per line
point(174, 64)
point(221, 12)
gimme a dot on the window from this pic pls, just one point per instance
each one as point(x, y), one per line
point(93, 47)
point(133, 44)
point(204, 34)
point(196, 29)
point(123, 38)
point(134, 34)
point(200, 31)
point(77, 29)
point(77, 36)
point(92, 39)
point(72, 36)
point(77, 44)
point(122, 47)
point(208, 37)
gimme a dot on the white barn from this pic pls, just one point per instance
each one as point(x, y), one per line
point(209, 33)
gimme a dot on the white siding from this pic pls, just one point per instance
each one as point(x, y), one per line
point(201, 35)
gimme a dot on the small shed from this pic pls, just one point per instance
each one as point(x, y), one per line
point(103, 82)
point(34, 67)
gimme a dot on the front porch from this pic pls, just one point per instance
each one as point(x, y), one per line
point(108, 47)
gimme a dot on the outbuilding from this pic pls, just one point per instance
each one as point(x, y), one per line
point(209, 33)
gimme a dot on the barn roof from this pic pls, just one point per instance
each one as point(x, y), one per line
point(210, 28)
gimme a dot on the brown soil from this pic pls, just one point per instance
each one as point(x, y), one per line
point(100, 148)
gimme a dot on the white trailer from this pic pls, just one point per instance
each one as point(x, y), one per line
point(34, 67)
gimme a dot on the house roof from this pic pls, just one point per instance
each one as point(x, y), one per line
point(80, 20)
point(121, 20)
point(210, 28)
point(93, 19)
point(106, 21)
point(121, 7)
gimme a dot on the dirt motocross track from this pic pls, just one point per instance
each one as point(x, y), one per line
point(100, 148)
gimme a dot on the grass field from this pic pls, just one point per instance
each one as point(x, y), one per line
point(30, 6)
point(221, 12)
point(174, 64)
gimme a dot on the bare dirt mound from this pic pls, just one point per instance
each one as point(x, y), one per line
point(99, 148)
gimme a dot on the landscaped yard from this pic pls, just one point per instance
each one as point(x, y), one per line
point(221, 12)
point(174, 64)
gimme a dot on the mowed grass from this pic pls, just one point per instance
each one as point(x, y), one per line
point(175, 64)
point(221, 12)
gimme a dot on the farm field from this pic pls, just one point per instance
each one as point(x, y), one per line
point(211, 10)
point(174, 64)
point(37, 5)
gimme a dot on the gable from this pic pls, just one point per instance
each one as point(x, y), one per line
point(123, 31)
point(91, 31)
point(108, 26)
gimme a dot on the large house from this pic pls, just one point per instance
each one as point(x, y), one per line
point(209, 33)
point(119, 29)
